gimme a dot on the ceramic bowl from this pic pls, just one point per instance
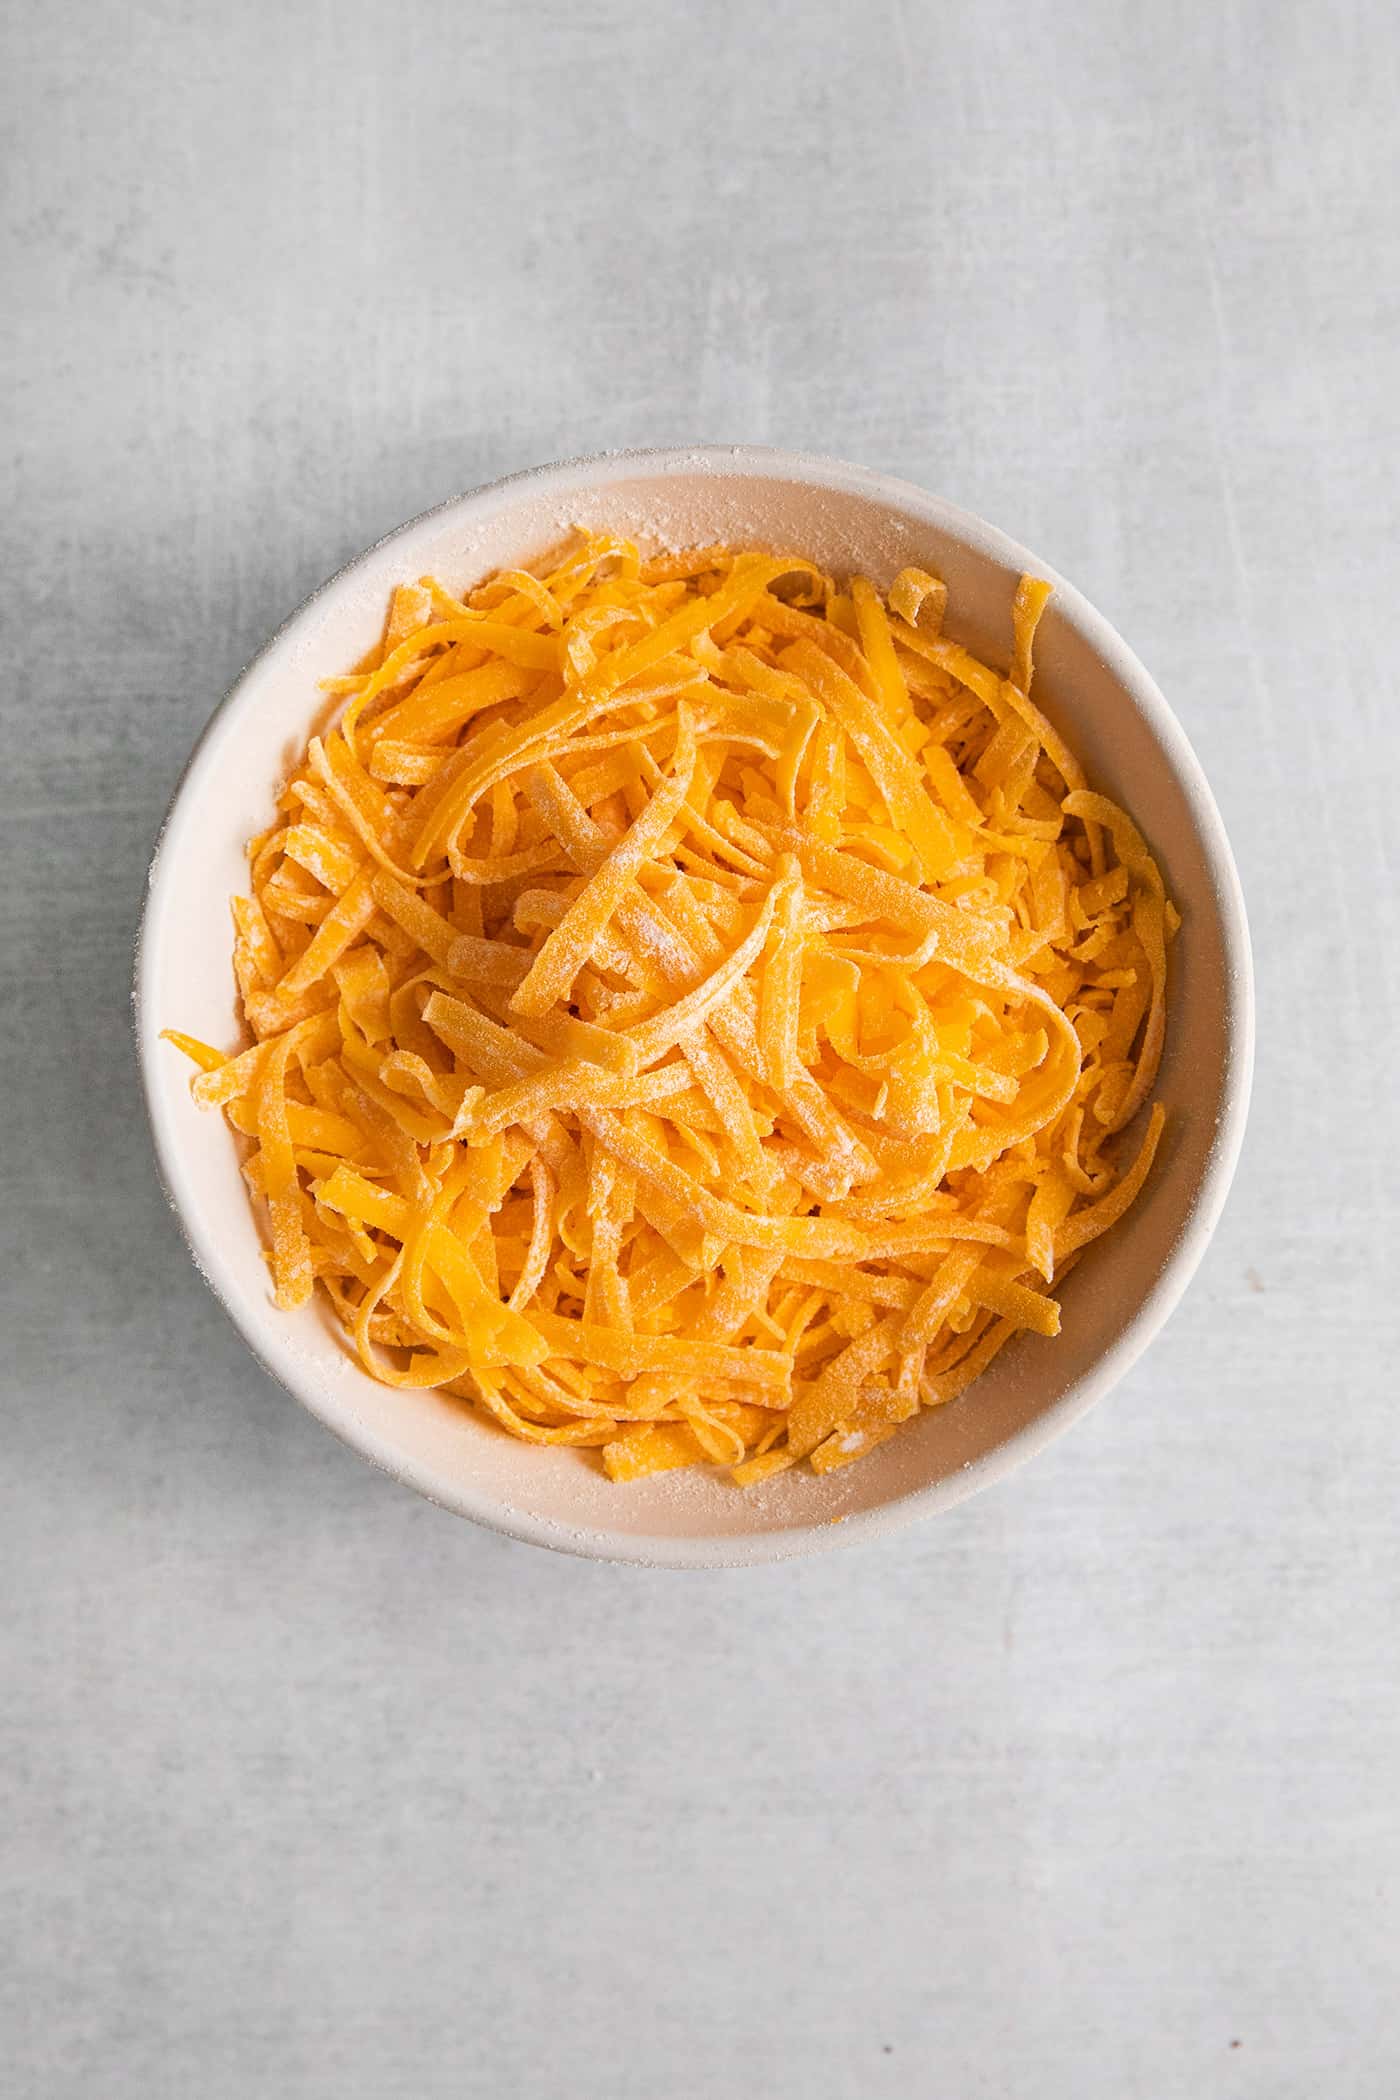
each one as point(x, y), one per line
point(1087, 680)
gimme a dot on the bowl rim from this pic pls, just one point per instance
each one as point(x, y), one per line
point(591, 471)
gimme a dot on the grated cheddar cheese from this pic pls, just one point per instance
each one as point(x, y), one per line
point(695, 1007)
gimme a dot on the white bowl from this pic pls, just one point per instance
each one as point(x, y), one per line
point(1087, 680)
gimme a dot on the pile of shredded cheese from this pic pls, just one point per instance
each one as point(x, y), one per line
point(694, 1004)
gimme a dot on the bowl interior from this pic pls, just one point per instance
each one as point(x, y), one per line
point(1092, 688)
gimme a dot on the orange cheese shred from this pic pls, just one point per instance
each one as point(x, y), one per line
point(695, 1007)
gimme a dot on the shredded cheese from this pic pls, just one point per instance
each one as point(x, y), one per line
point(693, 1006)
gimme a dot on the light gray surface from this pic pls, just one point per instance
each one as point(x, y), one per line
point(1090, 1788)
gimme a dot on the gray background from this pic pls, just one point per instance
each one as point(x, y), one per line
point(1086, 1789)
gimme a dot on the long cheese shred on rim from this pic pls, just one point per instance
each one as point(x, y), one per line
point(694, 1007)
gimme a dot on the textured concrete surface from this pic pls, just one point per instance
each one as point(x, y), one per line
point(1088, 1789)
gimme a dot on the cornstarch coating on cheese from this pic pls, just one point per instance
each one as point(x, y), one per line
point(694, 1007)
